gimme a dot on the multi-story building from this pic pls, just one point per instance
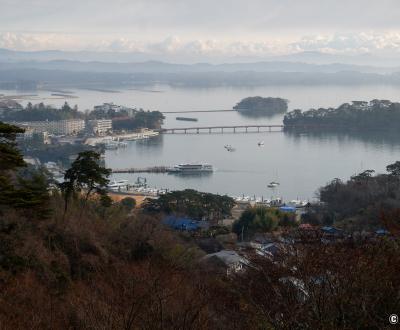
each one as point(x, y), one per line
point(59, 127)
point(31, 136)
point(105, 107)
point(100, 126)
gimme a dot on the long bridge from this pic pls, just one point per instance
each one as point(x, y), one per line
point(251, 128)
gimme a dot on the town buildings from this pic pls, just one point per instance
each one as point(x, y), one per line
point(100, 126)
point(59, 127)
point(106, 107)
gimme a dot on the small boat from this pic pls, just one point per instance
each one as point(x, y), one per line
point(276, 202)
point(117, 185)
point(273, 184)
point(111, 145)
point(297, 203)
point(192, 168)
point(229, 148)
point(261, 143)
point(122, 144)
point(186, 119)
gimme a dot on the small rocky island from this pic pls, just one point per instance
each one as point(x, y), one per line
point(257, 105)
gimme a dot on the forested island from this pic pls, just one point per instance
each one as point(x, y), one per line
point(360, 115)
point(257, 105)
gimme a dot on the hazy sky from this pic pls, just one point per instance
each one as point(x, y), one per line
point(211, 27)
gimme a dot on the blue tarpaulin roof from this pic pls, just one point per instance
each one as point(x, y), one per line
point(331, 230)
point(382, 232)
point(287, 209)
point(181, 223)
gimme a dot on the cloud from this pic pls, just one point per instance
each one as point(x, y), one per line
point(355, 43)
point(385, 43)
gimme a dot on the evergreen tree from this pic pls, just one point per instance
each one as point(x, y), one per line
point(32, 194)
point(10, 157)
point(85, 176)
point(28, 191)
point(10, 161)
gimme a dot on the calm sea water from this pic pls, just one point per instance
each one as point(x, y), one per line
point(301, 163)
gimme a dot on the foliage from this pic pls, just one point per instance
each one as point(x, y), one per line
point(85, 174)
point(357, 204)
point(10, 157)
point(197, 205)
point(41, 112)
point(129, 203)
point(257, 219)
point(377, 114)
point(394, 169)
point(27, 191)
point(264, 105)
point(141, 119)
point(32, 194)
point(55, 153)
point(322, 286)
point(107, 270)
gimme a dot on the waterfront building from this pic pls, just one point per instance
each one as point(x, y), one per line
point(30, 135)
point(100, 126)
point(59, 127)
point(106, 107)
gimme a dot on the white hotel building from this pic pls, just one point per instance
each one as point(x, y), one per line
point(100, 126)
point(59, 127)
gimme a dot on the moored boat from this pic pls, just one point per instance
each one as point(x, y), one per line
point(192, 168)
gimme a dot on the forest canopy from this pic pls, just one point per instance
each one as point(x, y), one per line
point(262, 105)
point(361, 115)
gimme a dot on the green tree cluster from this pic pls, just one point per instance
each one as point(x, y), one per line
point(192, 203)
point(261, 219)
point(376, 114)
point(85, 176)
point(22, 190)
point(42, 112)
point(141, 119)
point(262, 105)
point(359, 203)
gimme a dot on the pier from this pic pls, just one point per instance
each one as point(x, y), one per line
point(152, 169)
point(223, 129)
point(200, 111)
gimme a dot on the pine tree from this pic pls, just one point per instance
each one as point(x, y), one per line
point(85, 176)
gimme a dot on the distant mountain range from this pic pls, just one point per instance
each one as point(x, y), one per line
point(83, 68)
point(138, 62)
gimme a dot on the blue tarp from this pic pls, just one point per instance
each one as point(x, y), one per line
point(382, 232)
point(181, 223)
point(287, 209)
point(331, 230)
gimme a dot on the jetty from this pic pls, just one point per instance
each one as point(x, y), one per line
point(151, 169)
point(200, 111)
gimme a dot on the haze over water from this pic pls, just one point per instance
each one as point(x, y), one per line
point(300, 163)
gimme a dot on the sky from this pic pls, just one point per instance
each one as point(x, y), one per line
point(219, 28)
